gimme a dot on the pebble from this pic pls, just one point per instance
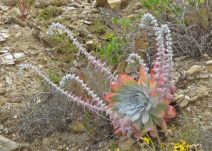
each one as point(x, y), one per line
point(4, 34)
point(7, 59)
point(8, 81)
point(15, 116)
point(87, 22)
point(4, 8)
point(1, 127)
point(18, 55)
point(195, 69)
point(209, 62)
point(185, 101)
point(4, 50)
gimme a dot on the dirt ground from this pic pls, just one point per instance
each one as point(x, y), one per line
point(194, 90)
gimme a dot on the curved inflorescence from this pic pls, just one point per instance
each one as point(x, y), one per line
point(163, 65)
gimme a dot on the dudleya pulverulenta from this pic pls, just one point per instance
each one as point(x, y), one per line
point(140, 102)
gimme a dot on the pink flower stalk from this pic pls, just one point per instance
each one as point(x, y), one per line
point(163, 65)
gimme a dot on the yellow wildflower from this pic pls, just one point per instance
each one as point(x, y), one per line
point(181, 146)
point(146, 140)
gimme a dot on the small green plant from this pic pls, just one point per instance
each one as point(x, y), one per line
point(49, 12)
point(166, 8)
point(54, 76)
point(123, 22)
point(111, 51)
point(99, 27)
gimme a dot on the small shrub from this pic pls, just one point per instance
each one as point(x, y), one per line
point(49, 12)
point(54, 76)
point(111, 51)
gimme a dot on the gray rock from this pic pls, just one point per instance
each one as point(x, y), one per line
point(3, 8)
point(7, 144)
point(7, 59)
point(4, 50)
point(4, 34)
point(209, 62)
point(18, 55)
point(8, 81)
point(195, 69)
point(114, 4)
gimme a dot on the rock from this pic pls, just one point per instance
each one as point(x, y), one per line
point(114, 4)
point(3, 8)
point(1, 127)
point(195, 69)
point(199, 93)
point(76, 5)
point(195, 95)
point(4, 50)
point(70, 8)
point(209, 62)
point(4, 34)
point(7, 144)
point(15, 116)
point(45, 142)
point(87, 22)
point(101, 3)
point(8, 81)
point(19, 56)
point(7, 59)
point(183, 100)
point(46, 3)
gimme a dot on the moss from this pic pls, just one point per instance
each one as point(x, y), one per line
point(49, 12)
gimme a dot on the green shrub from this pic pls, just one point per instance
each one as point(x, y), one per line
point(111, 50)
point(49, 12)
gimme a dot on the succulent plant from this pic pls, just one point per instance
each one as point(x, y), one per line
point(140, 102)
point(132, 105)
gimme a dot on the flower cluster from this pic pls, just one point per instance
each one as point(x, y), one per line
point(181, 146)
point(163, 62)
point(132, 59)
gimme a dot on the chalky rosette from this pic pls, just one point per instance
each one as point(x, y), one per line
point(140, 102)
